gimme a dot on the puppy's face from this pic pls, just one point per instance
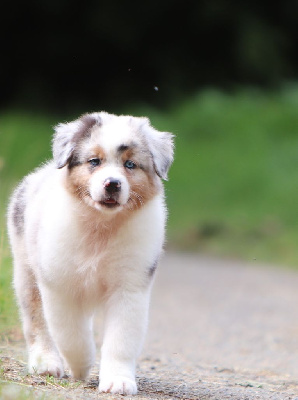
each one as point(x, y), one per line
point(113, 162)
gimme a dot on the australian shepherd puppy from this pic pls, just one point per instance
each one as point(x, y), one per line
point(88, 228)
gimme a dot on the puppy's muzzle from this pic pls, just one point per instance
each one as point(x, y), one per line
point(112, 185)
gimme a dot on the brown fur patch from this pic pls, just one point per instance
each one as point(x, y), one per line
point(32, 304)
point(143, 187)
point(97, 152)
point(77, 182)
point(128, 154)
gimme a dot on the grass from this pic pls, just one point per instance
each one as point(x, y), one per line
point(16, 384)
point(233, 186)
point(13, 391)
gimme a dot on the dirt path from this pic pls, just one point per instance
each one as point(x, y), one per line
point(218, 330)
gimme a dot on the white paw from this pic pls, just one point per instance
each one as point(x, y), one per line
point(118, 385)
point(45, 364)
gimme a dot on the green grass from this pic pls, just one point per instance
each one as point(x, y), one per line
point(15, 384)
point(233, 188)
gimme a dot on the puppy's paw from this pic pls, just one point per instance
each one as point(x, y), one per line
point(118, 385)
point(45, 364)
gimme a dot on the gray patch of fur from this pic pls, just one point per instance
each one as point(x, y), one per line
point(18, 209)
point(152, 269)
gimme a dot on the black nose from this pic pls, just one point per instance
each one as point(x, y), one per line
point(112, 185)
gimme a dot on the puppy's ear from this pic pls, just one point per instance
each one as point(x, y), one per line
point(68, 135)
point(63, 143)
point(161, 147)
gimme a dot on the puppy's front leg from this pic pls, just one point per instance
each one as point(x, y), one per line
point(126, 315)
point(70, 325)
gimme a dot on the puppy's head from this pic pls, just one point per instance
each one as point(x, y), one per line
point(113, 162)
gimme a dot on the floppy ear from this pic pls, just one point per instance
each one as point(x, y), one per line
point(63, 144)
point(161, 147)
point(68, 135)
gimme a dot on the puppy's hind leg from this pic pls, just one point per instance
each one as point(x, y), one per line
point(44, 358)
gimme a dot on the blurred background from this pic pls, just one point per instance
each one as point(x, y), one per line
point(222, 75)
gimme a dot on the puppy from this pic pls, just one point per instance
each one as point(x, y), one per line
point(86, 229)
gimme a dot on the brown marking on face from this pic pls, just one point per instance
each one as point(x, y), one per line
point(79, 175)
point(143, 187)
point(97, 152)
point(128, 154)
point(77, 182)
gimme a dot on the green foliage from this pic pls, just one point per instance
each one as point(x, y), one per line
point(233, 185)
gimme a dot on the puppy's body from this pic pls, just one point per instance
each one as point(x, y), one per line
point(89, 232)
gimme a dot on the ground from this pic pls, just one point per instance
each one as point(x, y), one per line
point(218, 330)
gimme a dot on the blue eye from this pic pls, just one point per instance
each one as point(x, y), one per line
point(94, 162)
point(129, 164)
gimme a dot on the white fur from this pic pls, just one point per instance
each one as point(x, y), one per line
point(67, 255)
